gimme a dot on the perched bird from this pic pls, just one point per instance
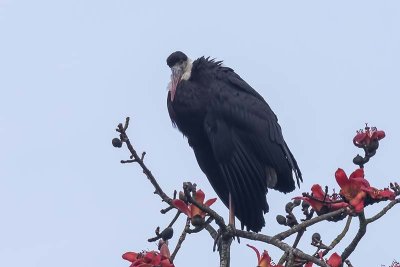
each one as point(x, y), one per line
point(234, 134)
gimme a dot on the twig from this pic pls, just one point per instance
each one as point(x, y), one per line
point(361, 232)
point(181, 239)
point(363, 228)
point(212, 231)
point(174, 219)
point(126, 123)
point(320, 245)
point(128, 161)
point(224, 248)
point(298, 237)
point(283, 258)
point(199, 228)
point(348, 263)
point(158, 236)
point(163, 211)
point(339, 237)
point(290, 259)
point(219, 220)
point(383, 211)
point(305, 224)
point(295, 243)
point(124, 137)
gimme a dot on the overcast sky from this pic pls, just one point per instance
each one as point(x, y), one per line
point(71, 70)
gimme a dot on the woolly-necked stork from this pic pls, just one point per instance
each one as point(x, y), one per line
point(234, 134)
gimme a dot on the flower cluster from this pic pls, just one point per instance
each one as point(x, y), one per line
point(357, 191)
point(191, 210)
point(149, 258)
point(368, 140)
point(368, 137)
point(354, 191)
point(322, 202)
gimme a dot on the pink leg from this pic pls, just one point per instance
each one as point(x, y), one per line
point(231, 211)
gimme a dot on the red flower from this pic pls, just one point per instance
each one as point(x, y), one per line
point(130, 256)
point(334, 260)
point(379, 194)
point(264, 260)
point(191, 210)
point(357, 191)
point(149, 258)
point(364, 138)
point(353, 188)
point(323, 203)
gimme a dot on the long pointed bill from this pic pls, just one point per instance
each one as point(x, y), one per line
point(175, 78)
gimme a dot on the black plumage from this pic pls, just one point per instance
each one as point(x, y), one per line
point(234, 134)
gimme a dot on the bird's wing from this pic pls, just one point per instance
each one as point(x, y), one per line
point(248, 146)
point(240, 171)
point(249, 109)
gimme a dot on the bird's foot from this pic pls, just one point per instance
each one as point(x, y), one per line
point(217, 241)
point(223, 235)
point(231, 229)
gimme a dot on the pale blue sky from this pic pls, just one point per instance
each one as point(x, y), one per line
point(71, 70)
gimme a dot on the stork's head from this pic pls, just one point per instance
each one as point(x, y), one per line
point(181, 67)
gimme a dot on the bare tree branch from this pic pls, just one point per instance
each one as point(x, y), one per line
point(339, 237)
point(224, 252)
point(178, 213)
point(305, 224)
point(124, 137)
point(360, 234)
point(200, 228)
point(212, 231)
point(295, 243)
point(383, 211)
point(181, 239)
